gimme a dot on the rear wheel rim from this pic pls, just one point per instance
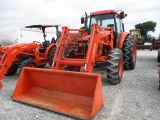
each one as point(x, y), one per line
point(120, 69)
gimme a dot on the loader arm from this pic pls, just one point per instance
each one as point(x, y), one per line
point(11, 54)
point(97, 36)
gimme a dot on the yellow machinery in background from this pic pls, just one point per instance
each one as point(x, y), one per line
point(136, 33)
point(144, 44)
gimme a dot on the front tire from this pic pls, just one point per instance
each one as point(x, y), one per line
point(12, 70)
point(115, 66)
point(129, 52)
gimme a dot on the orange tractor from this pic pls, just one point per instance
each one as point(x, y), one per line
point(32, 54)
point(69, 86)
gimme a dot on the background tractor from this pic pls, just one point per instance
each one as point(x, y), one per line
point(34, 54)
point(136, 33)
point(48, 46)
point(69, 86)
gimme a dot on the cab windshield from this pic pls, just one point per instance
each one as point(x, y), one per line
point(103, 20)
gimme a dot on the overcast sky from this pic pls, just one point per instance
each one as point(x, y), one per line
point(20, 13)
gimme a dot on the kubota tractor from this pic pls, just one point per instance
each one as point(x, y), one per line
point(32, 54)
point(47, 48)
point(69, 86)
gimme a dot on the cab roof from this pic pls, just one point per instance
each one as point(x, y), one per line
point(104, 12)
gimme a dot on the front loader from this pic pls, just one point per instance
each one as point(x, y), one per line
point(34, 54)
point(69, 86)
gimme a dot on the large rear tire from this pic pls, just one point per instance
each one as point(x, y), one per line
point(115, 66)
point(129, 52)
point(51, 55)
point(158, 56)
point(27, 63)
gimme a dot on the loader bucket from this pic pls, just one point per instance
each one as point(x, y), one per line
point(75, 94)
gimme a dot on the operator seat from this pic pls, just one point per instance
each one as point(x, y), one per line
point(45, 44)
point(53, 40)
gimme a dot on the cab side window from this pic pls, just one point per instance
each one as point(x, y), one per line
point(119, 25)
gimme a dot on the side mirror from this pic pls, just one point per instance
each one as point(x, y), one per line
point(122, 15)
point(82, 20)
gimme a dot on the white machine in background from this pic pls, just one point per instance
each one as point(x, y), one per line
point(11, 36)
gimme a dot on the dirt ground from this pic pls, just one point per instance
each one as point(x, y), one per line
point(136, 98)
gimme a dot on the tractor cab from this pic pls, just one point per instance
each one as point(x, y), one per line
point(106, 18)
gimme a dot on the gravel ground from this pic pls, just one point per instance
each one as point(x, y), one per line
point(136, 98)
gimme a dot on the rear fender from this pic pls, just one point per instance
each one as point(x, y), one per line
point(121, 39)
